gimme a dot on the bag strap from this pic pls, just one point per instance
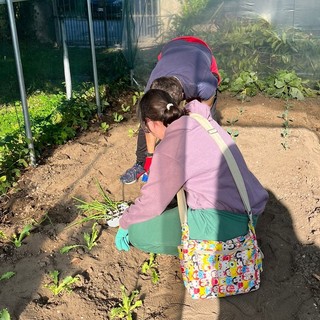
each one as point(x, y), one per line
point(232, 166)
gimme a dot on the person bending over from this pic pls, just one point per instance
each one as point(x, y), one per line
point(187, 69)
point(187, 157)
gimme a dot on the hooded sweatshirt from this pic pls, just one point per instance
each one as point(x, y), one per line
point(188, 157)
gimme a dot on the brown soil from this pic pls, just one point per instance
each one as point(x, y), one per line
point(288, 231)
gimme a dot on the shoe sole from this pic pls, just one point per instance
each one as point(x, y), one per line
point(132, 182)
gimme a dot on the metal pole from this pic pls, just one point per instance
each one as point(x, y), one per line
point(66, 63)
point(94, 62)
point(21, 82)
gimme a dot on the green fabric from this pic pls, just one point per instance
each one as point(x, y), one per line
point(162, 234)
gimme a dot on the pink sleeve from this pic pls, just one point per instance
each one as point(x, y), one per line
point(165, 179)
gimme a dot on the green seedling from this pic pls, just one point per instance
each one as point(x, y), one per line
point(234, 133)
point(104, 126)
point(117, 117)
point(125, 108)
point(7, 275)
point(18, 238)
point(137, 95)
point(133, 132)
point(285, 132)
point(127, 306)
point(57, 287)
point(3, 236)
point(4, 314)
point(149, 267)
point(89, 238)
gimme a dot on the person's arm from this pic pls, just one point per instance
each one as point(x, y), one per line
point(166, 178)
point(151, 144)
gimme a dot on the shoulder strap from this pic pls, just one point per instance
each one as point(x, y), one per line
point(229, 158)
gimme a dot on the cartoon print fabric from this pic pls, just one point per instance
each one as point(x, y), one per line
point(215, 269)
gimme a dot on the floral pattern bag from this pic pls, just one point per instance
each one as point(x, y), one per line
point(215, 269)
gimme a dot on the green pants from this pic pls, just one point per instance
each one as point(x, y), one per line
point(162, 234)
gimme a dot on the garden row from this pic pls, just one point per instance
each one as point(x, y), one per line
point(100, 211)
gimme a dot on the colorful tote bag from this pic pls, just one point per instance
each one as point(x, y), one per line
point(214, 269)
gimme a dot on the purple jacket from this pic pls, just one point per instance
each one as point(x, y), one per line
point(187, 156)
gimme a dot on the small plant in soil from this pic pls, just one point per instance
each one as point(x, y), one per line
point(231, 130)
point(285, 132)
point(57, 287)
point(7, 275)
point(3, 236)
point(18, 238)
point(117, 117)
point(106, 209)
point(104, 126)
point(127, 306)
point(89, 238)
point(4, 314)
point(149, 267)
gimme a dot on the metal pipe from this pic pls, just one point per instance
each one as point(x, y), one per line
point(93, 54)
point(66, 63)
point(21, 82)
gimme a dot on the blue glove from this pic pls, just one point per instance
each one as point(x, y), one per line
point(122, 240)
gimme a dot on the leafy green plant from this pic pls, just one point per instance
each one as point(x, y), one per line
point(117, 117)
point(57, 287)
point(137, 95)
point(89, 238)
point(18, 238)
point(7, 275)
point(287, 85)
point(149, 267)
point(133, 132)
point(104, 126)
point(4, 314)
point(127, 306)
point(246, 85)
point(125, 108)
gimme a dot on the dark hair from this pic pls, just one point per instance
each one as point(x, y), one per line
point(158, 105)
point(171, 85)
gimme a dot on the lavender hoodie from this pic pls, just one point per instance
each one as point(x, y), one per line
point(187, 156)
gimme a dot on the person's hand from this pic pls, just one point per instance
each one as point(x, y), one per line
point(122, 240)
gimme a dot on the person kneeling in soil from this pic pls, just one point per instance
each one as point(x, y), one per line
point(186, 157)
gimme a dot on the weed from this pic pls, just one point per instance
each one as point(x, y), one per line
point(65, 285)
point(4, 314)
point(127, 306)
point(7, 275)
point(149, 267)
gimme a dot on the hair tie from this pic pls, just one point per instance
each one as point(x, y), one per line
point(169, 105)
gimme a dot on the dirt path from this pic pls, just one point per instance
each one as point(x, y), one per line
point(289, 230)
